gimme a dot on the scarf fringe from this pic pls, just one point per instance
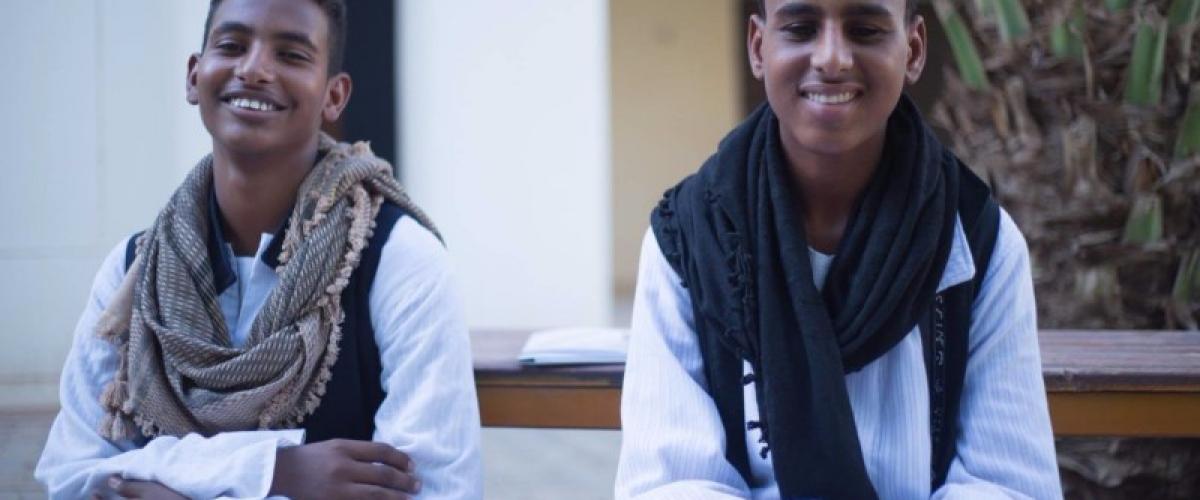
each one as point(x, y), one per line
point(364, 209)
point(361, 229)
point(146, 425)
point(114, 321)
point(115, 399)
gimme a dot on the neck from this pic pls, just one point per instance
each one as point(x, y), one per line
point(255, 192)
point(829, 185)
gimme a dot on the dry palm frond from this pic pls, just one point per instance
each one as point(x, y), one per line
point(1083, 115)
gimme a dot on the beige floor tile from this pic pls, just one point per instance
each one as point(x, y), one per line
point(519, 464)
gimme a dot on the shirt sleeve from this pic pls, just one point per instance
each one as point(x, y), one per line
point(673, 442)
point(1005, 445)
point(430, 410)
point(77, 460)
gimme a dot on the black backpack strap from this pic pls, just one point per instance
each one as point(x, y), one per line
point(131, 249)
point(946, 328)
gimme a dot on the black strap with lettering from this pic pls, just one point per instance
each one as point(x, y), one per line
point(946, 328)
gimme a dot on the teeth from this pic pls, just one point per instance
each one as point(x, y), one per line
point(830, 98)
point(257, 105)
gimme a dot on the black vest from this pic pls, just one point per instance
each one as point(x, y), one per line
point(945, 336)
point(354, 391)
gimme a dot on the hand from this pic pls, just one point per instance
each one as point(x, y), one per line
point(148, 490)
point(343, 468)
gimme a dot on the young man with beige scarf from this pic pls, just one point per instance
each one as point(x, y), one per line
point(288, 324)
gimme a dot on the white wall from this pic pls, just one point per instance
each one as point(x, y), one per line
point(96, 134)
point(505, 136)
point(505, 141)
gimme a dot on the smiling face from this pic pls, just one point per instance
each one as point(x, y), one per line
point(262, 81)
point(834, 69)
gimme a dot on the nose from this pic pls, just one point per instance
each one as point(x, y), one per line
point(832, 56)
point(255, 66)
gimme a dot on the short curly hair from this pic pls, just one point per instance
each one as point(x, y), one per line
point(335, 13)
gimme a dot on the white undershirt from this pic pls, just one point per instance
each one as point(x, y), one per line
point(820, 263)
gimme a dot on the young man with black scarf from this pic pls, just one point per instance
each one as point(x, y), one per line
point(288, 325)
point(833, 306)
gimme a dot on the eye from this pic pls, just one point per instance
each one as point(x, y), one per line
point(228, 46)
point(292, 55)
point(801, 31)
point(864, 32)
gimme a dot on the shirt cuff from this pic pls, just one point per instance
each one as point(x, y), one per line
point(229, 464)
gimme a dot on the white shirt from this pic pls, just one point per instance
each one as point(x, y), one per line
point(673, 445)
point(430, 411)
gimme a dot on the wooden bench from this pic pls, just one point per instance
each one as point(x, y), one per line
point(1099, 383)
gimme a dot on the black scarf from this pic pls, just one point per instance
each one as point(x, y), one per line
point(733, 234)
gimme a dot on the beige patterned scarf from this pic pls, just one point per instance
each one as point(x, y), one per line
point(179, 371)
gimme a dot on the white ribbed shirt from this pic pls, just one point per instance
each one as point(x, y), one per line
point(430, 411)
point(673, 445)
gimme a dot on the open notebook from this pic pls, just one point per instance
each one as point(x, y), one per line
point(580, 345)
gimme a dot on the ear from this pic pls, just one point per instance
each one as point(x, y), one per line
point(337, 95)
point(754, 41)
point(193, 95)
point(917, 44)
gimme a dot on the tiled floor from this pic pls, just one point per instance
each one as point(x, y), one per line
point(22, 435)
point(549, 464)
point(518, 463)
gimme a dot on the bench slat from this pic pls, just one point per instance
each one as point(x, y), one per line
point(1108, 382)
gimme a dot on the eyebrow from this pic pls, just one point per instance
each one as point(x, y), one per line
point(865, 10)
point(245, 29)
point(857, 9)
point(230, 27)
point(297, 37)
